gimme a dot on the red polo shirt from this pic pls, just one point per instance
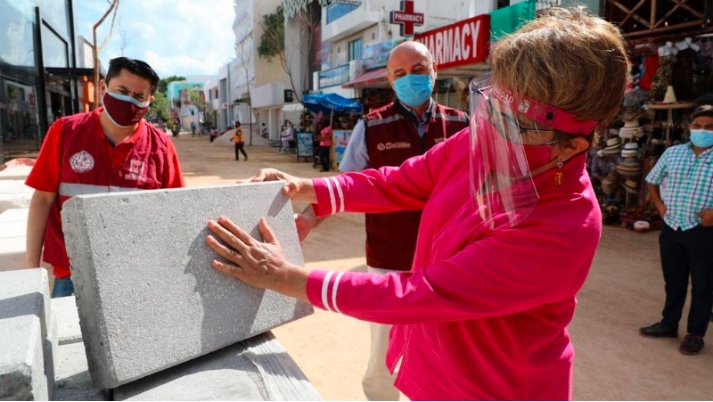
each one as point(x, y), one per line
point(48, 173)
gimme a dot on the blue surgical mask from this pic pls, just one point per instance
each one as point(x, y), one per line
point(702, 138)
point(414, 89)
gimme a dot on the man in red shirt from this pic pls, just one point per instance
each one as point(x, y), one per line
point(110, 149)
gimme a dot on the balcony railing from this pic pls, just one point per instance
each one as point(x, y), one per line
point(334, 76)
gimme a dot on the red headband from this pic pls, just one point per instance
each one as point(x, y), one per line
point(546, 114)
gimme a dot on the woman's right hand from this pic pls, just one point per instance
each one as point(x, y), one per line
point(298, 189)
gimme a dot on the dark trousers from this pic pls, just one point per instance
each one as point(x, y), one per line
point(683, 254)
point(239, 149)
point(324, 157)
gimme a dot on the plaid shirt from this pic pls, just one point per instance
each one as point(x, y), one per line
point(687, 187)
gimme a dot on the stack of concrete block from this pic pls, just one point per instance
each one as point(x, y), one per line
point(28, 332)
point(147, 296)
point(13, 237)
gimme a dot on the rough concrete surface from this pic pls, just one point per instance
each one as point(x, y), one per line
point(148, 298)
point(257, 369)
point(50, 353)
point(72, 380)
point(65, 309)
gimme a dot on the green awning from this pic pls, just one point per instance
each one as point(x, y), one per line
point(508, 19)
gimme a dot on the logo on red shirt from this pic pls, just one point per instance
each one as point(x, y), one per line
point(392, 145)
point(136, 170)
point(82, 162)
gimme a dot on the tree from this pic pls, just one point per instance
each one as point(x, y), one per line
point(113, 6)
point(163, 83)
point(159, 108)
point(274, 44)
point(126, 35)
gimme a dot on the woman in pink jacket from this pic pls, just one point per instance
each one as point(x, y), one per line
point(509, 229)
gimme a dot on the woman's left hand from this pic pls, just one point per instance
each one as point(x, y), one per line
point(259, 264)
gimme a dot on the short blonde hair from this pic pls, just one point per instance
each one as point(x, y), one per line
point(567, 59)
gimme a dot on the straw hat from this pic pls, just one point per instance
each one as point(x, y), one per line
point(613, 141)
point(631, 145)
point(631, 123)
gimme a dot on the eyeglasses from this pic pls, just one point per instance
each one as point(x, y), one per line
point(699, 126)
point(505, 122)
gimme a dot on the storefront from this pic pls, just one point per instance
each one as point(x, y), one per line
point(38, 77)
point(671, 54)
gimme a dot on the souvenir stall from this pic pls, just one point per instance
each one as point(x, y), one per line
point(671, 54)
point(340, 113)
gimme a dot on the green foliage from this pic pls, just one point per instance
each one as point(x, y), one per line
point(163, 83)
point(159, 107)
point(197, 98)
point(272, 42)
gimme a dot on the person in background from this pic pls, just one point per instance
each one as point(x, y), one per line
point(193, 129)
point(264, 132)
point(686, 206)
point(239, 141)
point(509, 229)
point(601, 165)
point(325, 147)
point(109, 149)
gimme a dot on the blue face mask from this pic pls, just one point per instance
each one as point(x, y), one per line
point(702, 138)
point(414, 90)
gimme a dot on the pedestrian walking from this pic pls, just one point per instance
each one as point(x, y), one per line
point(686, 206)
point(193, 129)
point(509, 229)
point(264, 132)
point(239, 141)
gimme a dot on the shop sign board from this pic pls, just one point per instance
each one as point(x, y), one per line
point(341, 140)
point(461, 43)
point(305, 144)
point(407, 17)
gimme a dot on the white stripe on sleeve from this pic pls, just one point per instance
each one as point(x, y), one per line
point(331, 195)
point(334, 292)
point(341, 194)
point(325, 287)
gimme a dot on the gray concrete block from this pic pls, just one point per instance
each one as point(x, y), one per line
point(65, 309)
point(72, 380)
point(50, 353)
point(24, 331)
point(257, 369)
point(148, 298)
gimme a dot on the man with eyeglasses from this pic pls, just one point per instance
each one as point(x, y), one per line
point(686, 204)
point(110, 149)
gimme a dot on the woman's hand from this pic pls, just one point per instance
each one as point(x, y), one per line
point(297, 188)
point(259, 264)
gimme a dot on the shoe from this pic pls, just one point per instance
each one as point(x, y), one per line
point(658, 330)
point(691, 345)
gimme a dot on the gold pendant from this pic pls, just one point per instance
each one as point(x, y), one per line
point(558, 178)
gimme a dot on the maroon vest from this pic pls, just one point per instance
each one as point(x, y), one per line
point(392, 137)
point(87, 169)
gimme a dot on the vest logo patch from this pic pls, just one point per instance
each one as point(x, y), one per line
point(136, 170)
point(439, 139)
point(81, 162)
point(393, 145)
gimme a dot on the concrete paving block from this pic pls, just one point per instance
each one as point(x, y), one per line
point(25, 330)
point(15, 173)
point(50, 352)
point(14, 215)
point(148, 298)
point(257, 369)
point(22, 368)
point(13, 229)
point(72, 380)
point(65, 309)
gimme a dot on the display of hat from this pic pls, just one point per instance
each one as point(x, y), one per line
point(631, 123)
point(613, 175)
point(628, 189)
point(608, 186)
point(629, 153)
point(641, 226)
point(631, 183)
point(631, 145)
point(670, 96)
point(613, 141)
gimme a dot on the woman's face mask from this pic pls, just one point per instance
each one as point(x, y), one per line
point(124, 111)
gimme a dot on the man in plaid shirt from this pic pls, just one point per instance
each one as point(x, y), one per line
point(685, 201)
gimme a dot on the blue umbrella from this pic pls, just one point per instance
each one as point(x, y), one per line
point(329, 103)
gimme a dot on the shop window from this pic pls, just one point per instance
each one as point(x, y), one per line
point(355, 48)
point(338, 10)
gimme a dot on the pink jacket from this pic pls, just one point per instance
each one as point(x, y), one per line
point(482, 314)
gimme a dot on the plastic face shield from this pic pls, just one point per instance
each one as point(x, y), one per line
point(502, 128)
